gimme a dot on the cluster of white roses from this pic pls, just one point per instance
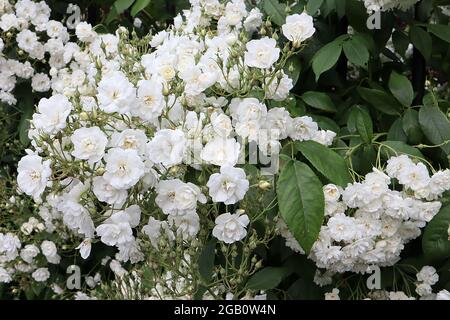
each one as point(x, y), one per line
point(15, 258)
point(386, 5)
point(113, 144)
point(426, 278)
point(29, 37)
point(368, 223)
point(382, 219)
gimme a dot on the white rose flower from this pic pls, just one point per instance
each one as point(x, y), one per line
point(33, 175)
point(333, 295)
point(116, 230)
point(85, 248)
point(89, 144)
point(221, 124)
point(52, 114)
point(150, 102)
point(279, 122)
point(178, 198)
point(107, 193)
point(298, 27)
point(324, 137)
point(253, 20)
point(278, 90)
point(428, 275)
point(231, 227)
point(116, 93)
point(235, 11)
point(27, 40)
point(167, 147)
point(443, 295)
point(343, 228)
point(49, 250)
point(221, 152)
point(40, 82)
point(331, 192)
point(423, 289)
point(8, 21)
point(229, 186)
point(84, 32)
point(124, 168)
point(303, 128)
point(133, 139)
point(41, 274)
point(248, 109)
point(187, 225)
point(154, 228)
point(414, 177)
point(261, 53)
point(5, 277)
point(29, 252)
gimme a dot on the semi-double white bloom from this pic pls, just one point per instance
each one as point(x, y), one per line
point(52, 114)
point(231, 227)
point(176, 197)
point(124, 168)
point(229, 186)
point(89, 144)
point(262, 53)
point(33, 175)
point(298, 27)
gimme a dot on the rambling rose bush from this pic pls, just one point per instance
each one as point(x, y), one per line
point(185, 164)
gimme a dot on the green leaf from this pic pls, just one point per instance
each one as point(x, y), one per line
point(411, 126)
point(312, 6)
point(401, 88)
point(441, 31)
point(356, 51)
point(396, 148)
point(267, 278)
point(435, 243)
point(435, 126)
point(122, 5)
point(206, 260)
point(301, 202)
point(319, 100)
point(360, 121)
point(380, 100)
point(138, 6)
point(396, 132)
point(326, 161)
point(326, 57)
point(276, 11)
point(421, 40)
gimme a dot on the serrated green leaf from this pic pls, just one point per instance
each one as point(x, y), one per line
point(326, 161)
point(319, 100)
point(356, 51)
point(401, 88)
point(435, 243)
point(326, 57)
point(435, 126)
point(267, 278)
point(380, 100)
point(301, 202)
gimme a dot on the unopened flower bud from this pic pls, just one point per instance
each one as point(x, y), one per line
point(84, 116)
point(264, 185)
